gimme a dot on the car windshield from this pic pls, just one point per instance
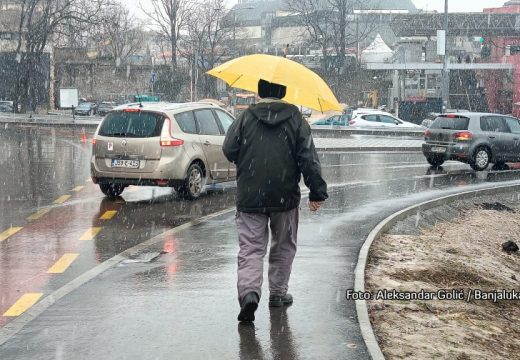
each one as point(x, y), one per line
point(131, 124)
point(84, 106)
point(450, 123)
point(245, 100)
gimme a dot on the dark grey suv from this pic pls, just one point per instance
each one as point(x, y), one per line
point(474, 138)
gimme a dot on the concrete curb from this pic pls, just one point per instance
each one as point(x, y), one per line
point(359, 277)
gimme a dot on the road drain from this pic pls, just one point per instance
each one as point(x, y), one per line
point(143, 258)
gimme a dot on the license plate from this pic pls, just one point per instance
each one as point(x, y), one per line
point(129, 164)
point(438, 149)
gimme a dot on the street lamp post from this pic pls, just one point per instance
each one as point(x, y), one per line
point(445, 73)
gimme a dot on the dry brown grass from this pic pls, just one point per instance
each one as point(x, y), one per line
point(461, 254)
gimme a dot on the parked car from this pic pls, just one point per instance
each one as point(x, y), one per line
point(105, 107)
point(161, 144)
point(430, 117)
point(335, 120)
point(85, 108)
point(380, 119)
point(473, 138)
point(6, 107)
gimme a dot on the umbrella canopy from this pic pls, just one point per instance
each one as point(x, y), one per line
point(304, 87)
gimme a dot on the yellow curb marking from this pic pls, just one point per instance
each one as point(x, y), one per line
point(108, 215)
point(62, 199)
point(23, 303)
point(62, 264)
point(78, 188)
point(90, 234)
point(9, 232)
point(39, 214)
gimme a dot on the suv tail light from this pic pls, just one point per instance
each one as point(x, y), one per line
point(427, 133)
point(352, 122)
point(166, 135)
point(463, 135)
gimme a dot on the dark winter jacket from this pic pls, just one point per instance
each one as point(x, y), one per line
point(271, 144)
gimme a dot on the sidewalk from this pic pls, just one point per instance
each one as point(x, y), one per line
point(184, 306)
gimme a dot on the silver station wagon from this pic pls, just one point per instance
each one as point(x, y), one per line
point(473, 138)
point(161, 144)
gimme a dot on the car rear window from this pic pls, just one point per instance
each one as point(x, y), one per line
point(450, 123)
point(132, 124)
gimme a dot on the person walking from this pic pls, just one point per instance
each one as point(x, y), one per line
point(272, 146)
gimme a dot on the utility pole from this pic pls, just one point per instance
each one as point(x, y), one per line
point(445, 73)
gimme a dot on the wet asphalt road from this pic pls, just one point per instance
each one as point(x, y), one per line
point(183, 304)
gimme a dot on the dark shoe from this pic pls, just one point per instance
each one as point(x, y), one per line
point(248, 307)
point(277, 300)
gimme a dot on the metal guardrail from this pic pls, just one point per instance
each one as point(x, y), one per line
point(88, 121)
point(338, 132)
point(46, 120)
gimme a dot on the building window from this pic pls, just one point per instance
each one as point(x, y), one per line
point(6, 36)
point(514, 49)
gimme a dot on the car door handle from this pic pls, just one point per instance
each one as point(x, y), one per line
point(207, 143)
point(516, 139)
point(491, 137)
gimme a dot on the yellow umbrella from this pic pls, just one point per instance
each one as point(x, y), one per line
point(304, 87)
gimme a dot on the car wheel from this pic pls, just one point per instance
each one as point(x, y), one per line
point(435, 160)
point(193, 184)
point(480, 159)
point(112, 190)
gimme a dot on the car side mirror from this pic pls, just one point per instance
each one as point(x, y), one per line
point(397, 122)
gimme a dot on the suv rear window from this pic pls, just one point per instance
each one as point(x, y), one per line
point(137, 124)
point(449, 123)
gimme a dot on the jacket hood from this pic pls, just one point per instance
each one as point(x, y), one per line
point(273, 112)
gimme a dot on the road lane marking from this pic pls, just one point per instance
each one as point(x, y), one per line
point(23, 303)
point(108, 215)
point(88, 180)
point(132, 188)
point(78, 188)
point(39, 214)
point(62, 264)
point(90, 234)
point(62, 199)
point(9, 232)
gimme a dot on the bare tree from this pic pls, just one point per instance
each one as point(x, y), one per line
point(208, 40)
point(39, 21)
point(314, 16)
point(333, 23)
point(119, 35)
point(169, 18)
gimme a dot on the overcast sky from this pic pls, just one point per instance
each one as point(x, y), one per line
point(457, 5)
point(454, 5)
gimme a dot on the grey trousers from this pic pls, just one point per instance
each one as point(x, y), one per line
point(253, 237)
